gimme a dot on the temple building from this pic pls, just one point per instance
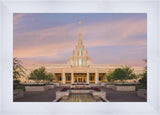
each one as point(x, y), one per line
point(80, 68)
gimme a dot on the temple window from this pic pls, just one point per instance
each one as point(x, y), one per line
point(68, 78)
point(91, 78)
point(79, 51)
point(76, 61)
point(59, 78)
point(83, 61)
point(80, 62)
point(100, 78)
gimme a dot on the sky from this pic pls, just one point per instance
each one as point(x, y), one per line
point(109, 38)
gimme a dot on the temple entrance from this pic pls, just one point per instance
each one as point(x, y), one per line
point(80, 77)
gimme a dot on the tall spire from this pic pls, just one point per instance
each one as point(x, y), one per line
point(80, 33)
point(79, 26)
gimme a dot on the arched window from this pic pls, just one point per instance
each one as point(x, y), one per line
point(79, 51)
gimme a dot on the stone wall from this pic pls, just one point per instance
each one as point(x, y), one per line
point(60, 94)
point(109, 86)
point(123, 88)
point(35, 88)
point(103, 84)
point(57, 84)
point(50, 86)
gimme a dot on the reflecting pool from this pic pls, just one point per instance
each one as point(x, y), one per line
point(81, 97)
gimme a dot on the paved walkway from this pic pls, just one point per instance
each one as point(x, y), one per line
point(122, 96)
point(46, 96)
point(112, 96)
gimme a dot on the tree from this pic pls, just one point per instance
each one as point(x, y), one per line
point(143, 80)
point(41, 74)
point(50, 77)
point(123, 74)
point(18, 69)
point(109, 77)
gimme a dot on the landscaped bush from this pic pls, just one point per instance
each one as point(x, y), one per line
point(64, 89)
point(87, 88)
point(23, 88)
point(16, 81)
point(125, 84)
point(140, 87)
point(79, 84)
point(97, 89)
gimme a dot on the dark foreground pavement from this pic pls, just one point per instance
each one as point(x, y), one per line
point(46, 96)
point(112, 96)
point(122, 96)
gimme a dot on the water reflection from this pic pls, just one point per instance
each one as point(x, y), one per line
point(81, 97)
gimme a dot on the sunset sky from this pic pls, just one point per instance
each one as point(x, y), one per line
point(110, 38)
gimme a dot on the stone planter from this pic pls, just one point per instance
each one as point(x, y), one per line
point(18, 93)
point(103, 84)
point(79, 86)
point(142, 93)
point(113, 87)
point(36, 88)
point(109, 86)
point(101, 94)
point(60, 94)
point(94, 85)
point(124, 88)
point(64, 85)
point(56, 84)
point(51, 86)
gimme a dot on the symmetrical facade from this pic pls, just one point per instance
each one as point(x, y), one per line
point(80, 68)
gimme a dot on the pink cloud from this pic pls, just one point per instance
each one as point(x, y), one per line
point(55, 41)
point(117, 32)
point(43, 50)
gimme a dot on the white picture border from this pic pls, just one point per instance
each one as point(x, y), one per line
point(8, 7)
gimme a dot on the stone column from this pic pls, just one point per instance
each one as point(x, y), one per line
point(87, 77)
point(96, 77)
point(72, 79)
point(63, 77)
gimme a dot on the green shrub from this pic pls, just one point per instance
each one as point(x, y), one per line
point(16, 81)
point(23, 88)
point(41, 74)
point(125, 84)
point(140, 87)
